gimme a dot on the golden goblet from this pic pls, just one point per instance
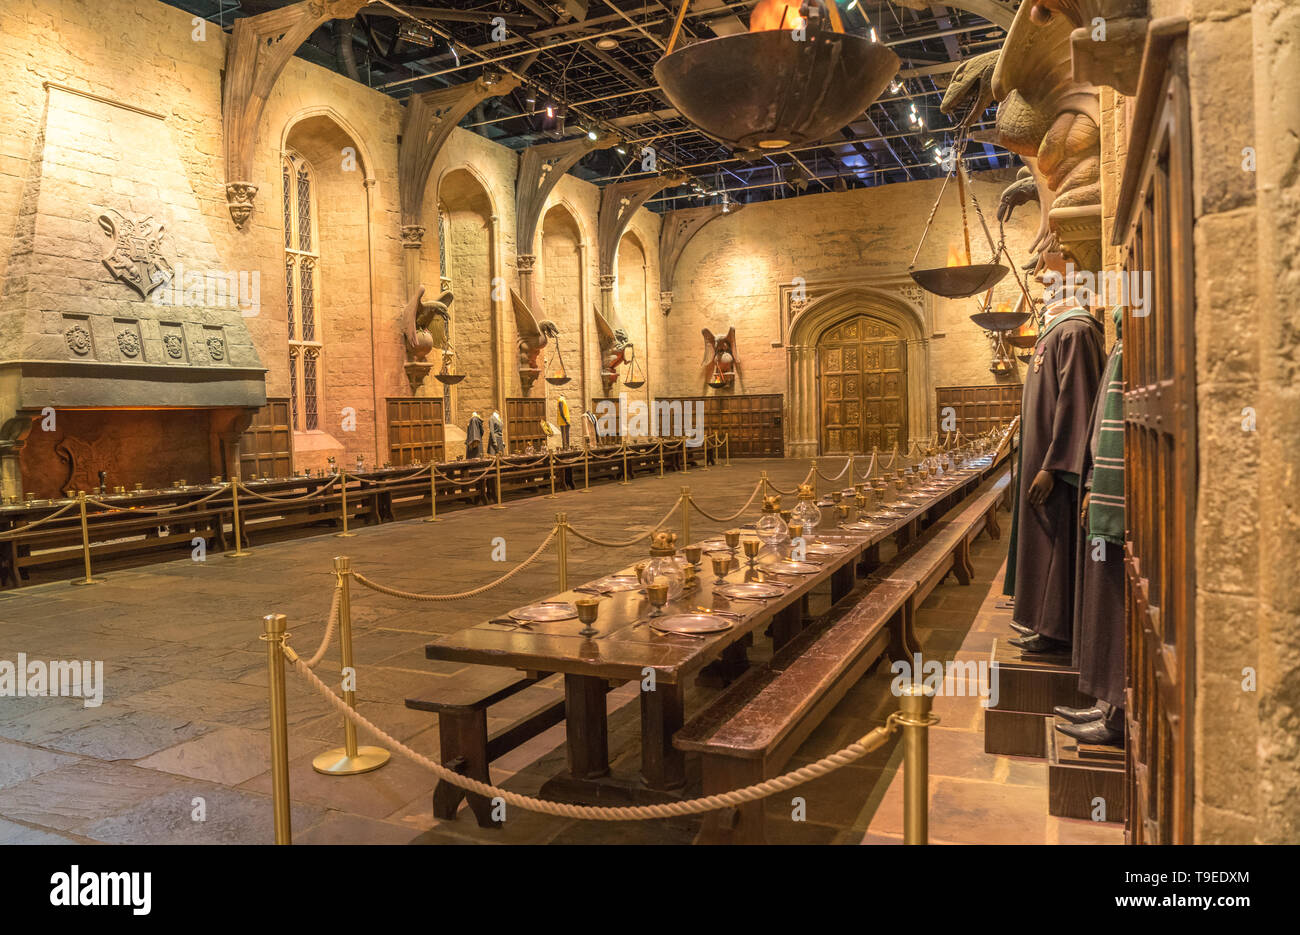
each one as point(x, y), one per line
point(721, 565)
point(752, 547)
point(657, 594)
point(732, 538)
point(588, 611)
point(693, 553)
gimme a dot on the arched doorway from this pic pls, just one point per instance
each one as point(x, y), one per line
point(862, 386)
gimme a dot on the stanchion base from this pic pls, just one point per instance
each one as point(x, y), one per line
point(240, 554)
point(344, 535)
point(80, 582)
point(551, 496)
point(431, 519)
point(336, 762)
point(497, 506)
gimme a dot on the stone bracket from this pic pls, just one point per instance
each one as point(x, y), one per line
point(259, 48)
point(618, 202)
point(676, 232)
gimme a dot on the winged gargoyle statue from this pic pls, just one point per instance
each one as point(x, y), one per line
point(614, 349)
point(1046, 117)
point(432, 324)
point(720, 358)
point(533, 337)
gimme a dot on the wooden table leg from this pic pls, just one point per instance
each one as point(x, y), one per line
point(586, 727)
point(662, 715)
point(785, 625)
point(842, 580)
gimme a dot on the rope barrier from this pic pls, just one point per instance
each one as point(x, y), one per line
point(726, 519)
point(330, 624)
point(28, 527)
point(832, 480)
point(855, 751)
point(316, 494)
point(154, 510)
point(640, 537)
point(789, 493)
point(461, 595)
point(464, 480)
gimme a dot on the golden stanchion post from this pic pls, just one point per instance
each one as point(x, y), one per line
point(274, 636)
point(686, 458)
point(85, 543)
point(914, 705)
point(814, 477)
point(550, 454)
point(349, 759)
point(586, 465)
point(661, 457)
point(686, 516)
point(433, 496)
point(767, 484)
point(706, 452)
point(240, 551)
point(851, 469)
point(497, 505)
point(562, 527)
point(624, 481)
point(726, 448)
point(343, 492)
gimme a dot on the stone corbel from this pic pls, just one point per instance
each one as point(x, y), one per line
point(259, 48)
point(674, 234)
point(618, 202)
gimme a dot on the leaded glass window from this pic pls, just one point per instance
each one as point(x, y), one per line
point(301, 262)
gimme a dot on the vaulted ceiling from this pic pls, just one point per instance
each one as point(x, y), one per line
point(589, 64)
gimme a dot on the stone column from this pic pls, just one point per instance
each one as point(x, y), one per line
point(607, 281)
point(412, 242)
point(527, 264)
point(801, 403)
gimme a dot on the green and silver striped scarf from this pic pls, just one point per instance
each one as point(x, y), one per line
point(1106, 500)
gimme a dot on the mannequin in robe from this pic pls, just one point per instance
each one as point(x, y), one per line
point(1059, 391)
point(474, 436)
point(563, 416)
point(1099, 605)
point(496, 440)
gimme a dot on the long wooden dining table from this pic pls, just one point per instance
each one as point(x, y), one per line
point(627, 648)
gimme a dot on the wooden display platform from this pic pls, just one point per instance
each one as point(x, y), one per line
point(1078, 774)
point(1029, 687)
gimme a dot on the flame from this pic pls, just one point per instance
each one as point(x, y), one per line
point(775, 14)
point(957, 257)
point(1004, 308)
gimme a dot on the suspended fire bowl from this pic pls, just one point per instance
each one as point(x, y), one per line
point(767, 90)
point(1022, 340)
point(958, 282)
point(1000, 321)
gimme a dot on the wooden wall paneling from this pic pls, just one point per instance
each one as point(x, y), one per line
point(415, 430)
point(978, 408)
point(266, 446)
point(524, 417)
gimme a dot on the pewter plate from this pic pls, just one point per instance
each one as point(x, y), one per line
point(613, 584)
point(714, 545)
point(545, 612)
point(690, 623)
point(792, 568)
point(821, 548)
point(749, 589)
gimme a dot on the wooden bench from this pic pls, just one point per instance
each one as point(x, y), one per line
point(463, 741)
point(751, 730)
point(943, 549)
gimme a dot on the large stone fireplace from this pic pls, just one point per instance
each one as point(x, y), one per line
point(123, 346)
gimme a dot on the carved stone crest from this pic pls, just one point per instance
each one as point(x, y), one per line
point(135, 252)
point(78, 339)
point(216, 348)
point(172, 344)
point(128, 342)
point(239, 201)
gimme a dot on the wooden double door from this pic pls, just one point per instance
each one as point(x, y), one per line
point(862, 382)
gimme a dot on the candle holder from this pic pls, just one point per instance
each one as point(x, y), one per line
point(721, 565)
point(752, 547)
point(588, 610)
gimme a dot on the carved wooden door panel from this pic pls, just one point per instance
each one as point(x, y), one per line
point(1155, 220)
point(862, 366)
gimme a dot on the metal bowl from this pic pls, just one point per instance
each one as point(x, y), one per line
point(765, 90)
point(958, 282)
point(1021, 340)
point(1000, 321)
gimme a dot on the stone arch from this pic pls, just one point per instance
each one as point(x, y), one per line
point(822, 313)
point(632, 301)
point(562, 288)
point(345, 368)
point(473, 266)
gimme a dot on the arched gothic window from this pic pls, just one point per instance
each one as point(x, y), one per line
point(301, 262)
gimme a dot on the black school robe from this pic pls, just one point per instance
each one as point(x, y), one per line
point(1099, 603)
point(1059, 391)
point(474, 437)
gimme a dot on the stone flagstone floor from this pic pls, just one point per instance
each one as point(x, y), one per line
point(182, 731)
